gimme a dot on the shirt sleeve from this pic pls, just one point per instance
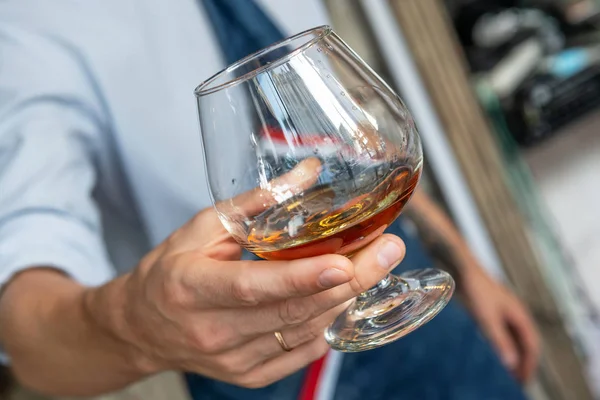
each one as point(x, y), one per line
point(51, 126)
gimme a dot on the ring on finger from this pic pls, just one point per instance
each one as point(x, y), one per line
point(281, 341)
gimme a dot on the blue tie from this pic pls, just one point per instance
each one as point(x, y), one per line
point(241, 27)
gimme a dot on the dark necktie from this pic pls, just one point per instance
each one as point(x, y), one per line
point(241, 27)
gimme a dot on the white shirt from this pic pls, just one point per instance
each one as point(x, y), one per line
point(100, 153)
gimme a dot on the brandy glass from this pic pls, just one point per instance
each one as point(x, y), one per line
point(308, 152)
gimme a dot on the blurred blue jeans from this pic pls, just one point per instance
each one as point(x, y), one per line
point(447, 359)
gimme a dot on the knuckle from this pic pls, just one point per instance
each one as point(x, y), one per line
point(293, 285)
point(358, 286)
point(254, 381)
point(207, 344)
point(174, 294)
point(208, 339)
point(293, 311)
point(173, 239)
point(243, 292)
point(200, 217)
point(144, 363)
point(147, 262)
point(318, 350)
point(183, 280)
point(307, 333)
point(231, 365)
point(311, 334)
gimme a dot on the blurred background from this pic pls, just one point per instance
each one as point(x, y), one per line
point(507, 95)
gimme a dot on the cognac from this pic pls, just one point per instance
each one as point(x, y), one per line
point(312, 224)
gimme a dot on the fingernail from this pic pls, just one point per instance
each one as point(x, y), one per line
point(389, 254)
point(332, 277)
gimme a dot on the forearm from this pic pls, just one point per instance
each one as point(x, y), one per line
point(441, 237)
point(55, 343)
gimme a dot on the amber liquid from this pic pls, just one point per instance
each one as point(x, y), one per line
point(306, 225)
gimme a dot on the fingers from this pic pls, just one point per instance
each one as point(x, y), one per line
point(528, 341)
point(206, 229)
point(371, 265)
point(243, 358)
point(302, 177)
point(285, 365)
point(266, 346)
point(247, 283)
point(503, 342)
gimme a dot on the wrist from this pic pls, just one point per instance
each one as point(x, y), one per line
point(105, 308)
point(475, 280)
point(468, 268)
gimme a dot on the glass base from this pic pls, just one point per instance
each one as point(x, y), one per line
point(395, 307)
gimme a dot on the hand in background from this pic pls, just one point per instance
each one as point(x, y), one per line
point(500, 314)
point(505, 321)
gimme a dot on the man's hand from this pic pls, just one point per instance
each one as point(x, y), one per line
point(505, 321)
point(186, 307)
point(192, 305)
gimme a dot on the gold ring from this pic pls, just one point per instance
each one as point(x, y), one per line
point(282, 342)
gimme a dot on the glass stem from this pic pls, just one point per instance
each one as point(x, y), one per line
point(382, 284)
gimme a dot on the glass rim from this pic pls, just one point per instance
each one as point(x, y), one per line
point(205, 87)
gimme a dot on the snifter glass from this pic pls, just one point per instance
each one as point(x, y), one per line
point(309, 152)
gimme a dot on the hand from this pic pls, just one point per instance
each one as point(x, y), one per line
point(192, 305)
point(506, 322)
